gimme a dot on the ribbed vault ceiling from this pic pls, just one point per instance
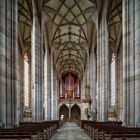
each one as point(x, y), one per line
point(69, 33)
point(69, 30)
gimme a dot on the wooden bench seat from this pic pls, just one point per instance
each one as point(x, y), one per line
point(16, 137)
point(30, 130)
point(110, 131)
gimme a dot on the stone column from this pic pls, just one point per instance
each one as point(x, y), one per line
point(84, 105)
point(55, 96)
point(47, 82)
point(52, 86)
point(137, 63)
point(37, 66)
point(119, 83)
point(131, 65)
point(9, 67)
point(70, 110)
point(53, 90)
point(93, 80)
point(102, 68)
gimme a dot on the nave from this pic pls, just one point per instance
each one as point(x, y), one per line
point(69, 60)
point(70, 131)
point(78, 130)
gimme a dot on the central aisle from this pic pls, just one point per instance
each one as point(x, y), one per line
point(70, 131)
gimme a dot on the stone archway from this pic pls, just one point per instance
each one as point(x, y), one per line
point(64, 111)
point(75, 113)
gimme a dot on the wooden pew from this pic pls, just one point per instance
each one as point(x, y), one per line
point(109, 131)
point(31, 131)
point(17, 137)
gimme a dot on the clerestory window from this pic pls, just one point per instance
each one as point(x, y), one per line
point(26, 80)
point(113, 80)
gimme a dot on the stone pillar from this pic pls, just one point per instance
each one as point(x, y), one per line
point(137, 63)
point(131, 65)
point(53, 90)
point(52, 86)
point(37, 66)
point(69, 110)
point(55, 96)
point(102, 68)
point(119, 83)
point(93, 80)
point(9, 67)
point(84, 105)
point(47, 83)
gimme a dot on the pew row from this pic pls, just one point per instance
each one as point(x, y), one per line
point(31, 131)
point(110, 131)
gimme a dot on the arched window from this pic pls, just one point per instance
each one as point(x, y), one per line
point(113, 80)
point(26, 80)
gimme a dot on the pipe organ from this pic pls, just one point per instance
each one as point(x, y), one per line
point(69, 86)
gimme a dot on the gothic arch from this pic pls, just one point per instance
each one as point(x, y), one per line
point(75, 113)
point(63, 110)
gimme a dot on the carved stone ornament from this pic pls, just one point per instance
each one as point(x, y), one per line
point(90, 114)
point(112, 114)
point(87, 95)
point(86, 100)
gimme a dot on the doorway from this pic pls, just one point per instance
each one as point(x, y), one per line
point(64, 112)
point(75, 113)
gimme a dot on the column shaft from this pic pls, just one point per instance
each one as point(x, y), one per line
point(93, 80)
point(37, 67)
point(47, 83)
point(102, 71)
point(131, 59)
point(137, 63)
point(9, 67)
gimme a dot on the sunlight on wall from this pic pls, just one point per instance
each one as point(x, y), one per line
point(113, 80)
point(26, 81)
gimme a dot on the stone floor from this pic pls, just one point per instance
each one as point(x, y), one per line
point(70, 131)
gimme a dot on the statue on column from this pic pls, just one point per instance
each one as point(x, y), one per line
point(87, 98)
point(90, 114)
point(112, 114)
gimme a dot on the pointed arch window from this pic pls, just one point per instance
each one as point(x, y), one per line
point(113, 80)
point(26, 80)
